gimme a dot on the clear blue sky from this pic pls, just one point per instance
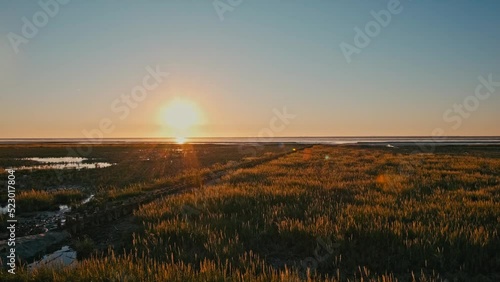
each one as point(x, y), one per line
point(263, 55)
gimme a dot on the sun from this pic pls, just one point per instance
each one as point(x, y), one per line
point(181, 116)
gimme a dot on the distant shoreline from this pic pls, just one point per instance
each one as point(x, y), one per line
point(376, 141)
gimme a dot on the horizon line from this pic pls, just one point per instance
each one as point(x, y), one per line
point(303, 136)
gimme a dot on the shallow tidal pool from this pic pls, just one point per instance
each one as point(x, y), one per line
point(62, 163)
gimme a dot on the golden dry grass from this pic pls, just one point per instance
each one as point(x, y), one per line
point(325, 214)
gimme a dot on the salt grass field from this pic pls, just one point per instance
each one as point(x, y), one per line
point(258, 212)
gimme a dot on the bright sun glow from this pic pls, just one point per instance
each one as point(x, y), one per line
point(180, 116)
point(180, 140)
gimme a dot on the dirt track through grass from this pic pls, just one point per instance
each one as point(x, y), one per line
point(327, 213)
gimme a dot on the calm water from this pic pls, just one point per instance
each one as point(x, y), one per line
point(301, 140)
point(62, 163)
point(63, 257)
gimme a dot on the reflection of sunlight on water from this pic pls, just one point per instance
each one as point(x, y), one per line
point(65, 256)
point(57, 160)
point(180, 140)
point(88, 199)
point(62, 163)
point(64, 208)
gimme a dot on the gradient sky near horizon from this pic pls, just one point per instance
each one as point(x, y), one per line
point(264, 55)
